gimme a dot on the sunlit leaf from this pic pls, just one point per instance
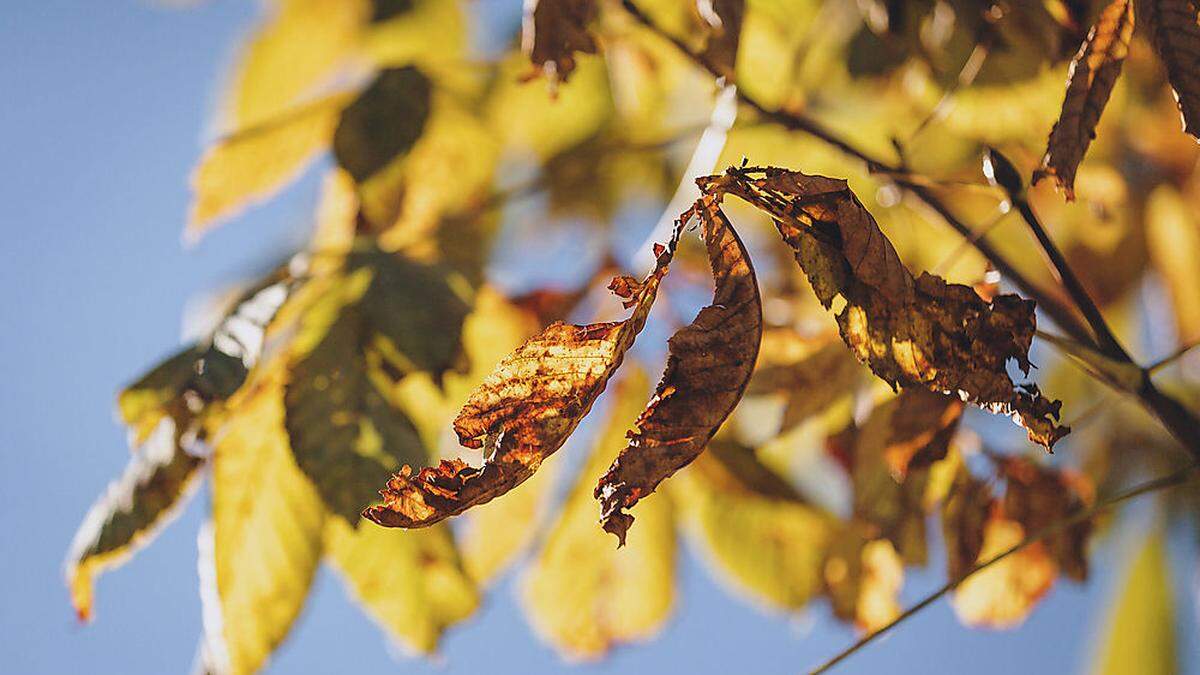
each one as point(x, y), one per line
point(267, 521)
point(811, 382)
point(708, 367)
point(1004, 594)
point(581, 594)
point(910, 331)
point(1093, 75)
point(158, 481)
point(863, 578)
point(762, 536)
point(411, 583)
point(1174, 30)
point(1173, 234)
point(1037, 496)
point(524, 411)
point(1140, 636)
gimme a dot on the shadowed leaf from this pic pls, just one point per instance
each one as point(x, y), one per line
point(708, 367)
point(1174, 30)
point(964, 517)
point(524, 410)
point(1038, 496)
point(383, 123)
point(1093, 74)
point(724, 21)
point(910, 331)
point(411, 583)
point(553, 31)
point(581, 594)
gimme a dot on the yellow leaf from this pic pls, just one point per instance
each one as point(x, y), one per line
point(1004, 594)
point(253, 164)
point(1140, 638)
point(412, 582)
point(267, 520)
point(583, 595)
point(291, 55)
point(1173, 234)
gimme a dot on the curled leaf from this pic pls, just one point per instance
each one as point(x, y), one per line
point(910, 331)
point(553, 31)
point(1174, 28)
point(523, 411)
point(708, 367)
point(1093, 74)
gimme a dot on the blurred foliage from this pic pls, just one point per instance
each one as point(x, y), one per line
point(479, 184)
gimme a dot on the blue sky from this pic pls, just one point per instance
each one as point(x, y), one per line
point(104, 109)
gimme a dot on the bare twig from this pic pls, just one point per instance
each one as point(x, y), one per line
point(1170, 480)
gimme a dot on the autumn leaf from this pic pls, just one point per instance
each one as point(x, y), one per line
point(863, 577)
point(964, 517)
point(1093, 74)
point(582, 595)
point(553, 31)
point(1173, 236)
point(387, 316)
point(524, 410)
point(767, 541)
point(1174, 29)
point(1038, 496)
point(158, 481)
point(708, 366)
point(267, 522)
point(1003, 594)
point(1140, 636)
point(910, 331)
point(411, 583)
point(809, 383)
point(723, 19)
point(254, 163)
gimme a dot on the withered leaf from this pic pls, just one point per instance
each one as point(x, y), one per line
point(910, 331)
point(1037, 496)
point(863, 578)
point(1174, 28)
point(524, 410)
point(964, 516)
point(1004, 594)
point(724, 21)
point(708, 366)
point(553, 31)
point(1093, 75)
point(384, 122)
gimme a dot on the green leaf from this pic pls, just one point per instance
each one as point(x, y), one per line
point(133, 510)
point(1140, 637)
point(384, 122)
point(411, 583)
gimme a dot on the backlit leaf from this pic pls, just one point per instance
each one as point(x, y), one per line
point(158, 481)
point(758, 531)
point(825, 373)
point(411, 583)
point(1173, 235)
point(253, 164)
point(1140, 638)
point(524, 411)
point(1004, 594)
point(708, 367)
point(554, 31)
point(1093, 75)
point(910, 331)
point(863, 578)
point(267, 522)
point(1174, 30)
point(1038, 496)
point(581, 594)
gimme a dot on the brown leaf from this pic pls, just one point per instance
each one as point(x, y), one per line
point(964, 517)
point(708, 366)
point(1174, 28)
point(1004, 594)
point(553, 31)
point(863, 579)
point(1038, 496)
point(724, 21)
point(910, 331)
point(1093, 74)
point(523, 411)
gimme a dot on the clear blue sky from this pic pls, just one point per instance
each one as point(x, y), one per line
point(102, 110)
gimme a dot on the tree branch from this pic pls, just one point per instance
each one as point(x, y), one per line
point(1171, 480)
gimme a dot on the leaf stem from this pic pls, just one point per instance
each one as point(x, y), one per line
point(1163, 482)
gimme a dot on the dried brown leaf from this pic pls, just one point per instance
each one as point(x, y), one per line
point(523, 411)
point(1093, 75)
point(724, 21)
point(910, 331)
point(1038, 496)
point(1174, 28)
point(1004, 594)
point(708, 367)
point(964, 517)
point(553, 31)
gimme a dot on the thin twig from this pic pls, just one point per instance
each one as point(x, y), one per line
point(1171, 480)
point(1172, 357)
point(1051, 303)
